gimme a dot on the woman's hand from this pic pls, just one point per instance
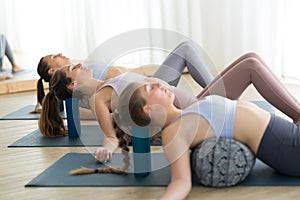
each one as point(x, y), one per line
point(103, 154)
point(109, 145)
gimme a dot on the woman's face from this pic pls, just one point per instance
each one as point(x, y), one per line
point(77, 73)
point(56, 61)
point(155, 93)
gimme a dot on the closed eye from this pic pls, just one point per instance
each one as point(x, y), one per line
point(148, 87)
point(71, 67)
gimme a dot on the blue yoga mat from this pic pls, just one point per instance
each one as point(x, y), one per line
point(57, 175)
point(24, 114)
point(23, 72)
point(91, 135)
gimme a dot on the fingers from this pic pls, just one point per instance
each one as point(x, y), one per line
point(103, 155)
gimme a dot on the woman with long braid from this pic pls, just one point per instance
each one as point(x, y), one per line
point(274, 140)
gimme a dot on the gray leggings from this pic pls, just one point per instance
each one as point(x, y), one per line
point(5, 50)
point(184, 55)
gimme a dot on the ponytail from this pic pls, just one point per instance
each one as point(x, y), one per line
point(124, 140)
point(40, 91)
point(51, 123)
point(40, 97)
point(42, 70)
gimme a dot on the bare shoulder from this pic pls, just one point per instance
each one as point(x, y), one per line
point(104, 94)
point(115, 71)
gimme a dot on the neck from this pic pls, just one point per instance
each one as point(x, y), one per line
point(90, 86)
point(172, 113)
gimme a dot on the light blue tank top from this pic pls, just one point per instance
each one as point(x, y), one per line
point(119, 83)
point(218, 111)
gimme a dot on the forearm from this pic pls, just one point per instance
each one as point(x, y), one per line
point(110, 140)
point(110, 143)
point(86, 114)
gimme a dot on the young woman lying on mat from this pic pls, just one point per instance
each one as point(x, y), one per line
point(50, 63)
point(272, 139)
point(246, 70)
point(171, 69)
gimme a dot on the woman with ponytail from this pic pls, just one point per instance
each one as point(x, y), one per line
point(50, 63)
point(50, 122)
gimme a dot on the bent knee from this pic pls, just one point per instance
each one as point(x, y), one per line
point(251, 55)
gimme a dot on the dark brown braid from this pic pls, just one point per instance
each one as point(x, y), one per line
point(124, 140)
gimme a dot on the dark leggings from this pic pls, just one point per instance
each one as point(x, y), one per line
point(280, 146)
point(251, 69)
point(5, 50)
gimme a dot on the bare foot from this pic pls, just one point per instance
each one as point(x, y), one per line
point(2, 69)
point(16, 69)
point(5, 76)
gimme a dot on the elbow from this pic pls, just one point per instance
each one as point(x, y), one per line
point(188, 187)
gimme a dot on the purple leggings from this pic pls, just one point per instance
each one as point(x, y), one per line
point(247, 69)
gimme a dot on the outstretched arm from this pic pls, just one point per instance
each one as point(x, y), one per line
point(86, 114)
point(180, 185)
point(176, 148)
point(102, 112)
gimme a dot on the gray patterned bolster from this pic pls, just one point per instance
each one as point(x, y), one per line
point(221, 162)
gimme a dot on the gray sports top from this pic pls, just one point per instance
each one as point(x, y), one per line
point(182, 100)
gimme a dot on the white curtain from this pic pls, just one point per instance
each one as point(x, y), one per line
point(225, 29)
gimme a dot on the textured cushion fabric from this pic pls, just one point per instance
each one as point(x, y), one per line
point(221, 162)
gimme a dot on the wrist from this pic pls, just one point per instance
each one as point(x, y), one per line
point(110, 136)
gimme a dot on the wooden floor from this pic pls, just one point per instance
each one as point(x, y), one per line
point(20, 165)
